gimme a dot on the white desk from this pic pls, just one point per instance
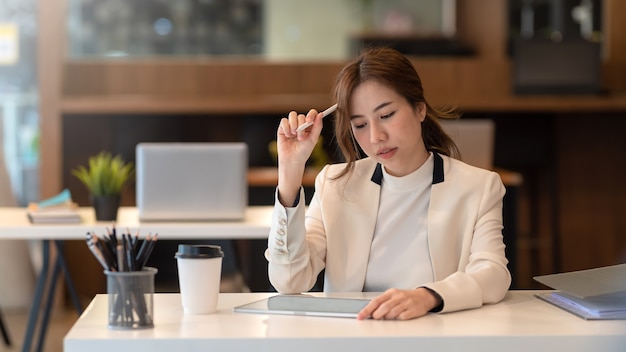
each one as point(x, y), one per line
point(14, 224)
point(520, 323)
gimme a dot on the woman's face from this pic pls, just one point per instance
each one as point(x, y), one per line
point(388, 128)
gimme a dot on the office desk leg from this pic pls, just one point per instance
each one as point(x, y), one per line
point(39, 288)
point(46, 278)
point(43, 327)
point(5, 332)
point(68, 278)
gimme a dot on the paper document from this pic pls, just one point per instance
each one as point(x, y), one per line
point(611, 306)
point(590, 294)
point(587, 283)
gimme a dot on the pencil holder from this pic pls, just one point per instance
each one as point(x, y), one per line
point(131, 295)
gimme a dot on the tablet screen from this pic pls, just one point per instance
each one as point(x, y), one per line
point(306, 305)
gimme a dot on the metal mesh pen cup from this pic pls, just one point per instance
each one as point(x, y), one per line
point(131, 298)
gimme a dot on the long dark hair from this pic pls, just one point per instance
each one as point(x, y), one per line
point(392, 69)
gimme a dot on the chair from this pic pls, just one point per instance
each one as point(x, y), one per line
point(474, 138)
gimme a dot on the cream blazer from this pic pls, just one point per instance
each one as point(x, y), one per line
point(335, 233)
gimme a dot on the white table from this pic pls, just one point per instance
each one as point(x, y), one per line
point(14, 224)
point(520, 323)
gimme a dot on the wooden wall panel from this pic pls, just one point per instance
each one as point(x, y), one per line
point(592, 196)
point(456, 81)
point(614, 73)
point(175, 78)
point(482, 24)
point(615, 30)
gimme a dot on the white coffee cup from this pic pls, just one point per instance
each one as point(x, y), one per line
point(199, 275)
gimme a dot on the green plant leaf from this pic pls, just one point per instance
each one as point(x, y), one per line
point(106, 174)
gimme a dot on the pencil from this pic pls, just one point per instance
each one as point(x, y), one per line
point(325, 113)
point(123, 254)
point(106, 247)
point(98, 254)
point(148, 251)
point(120, 257)
point(128, 251)
point(142, 250)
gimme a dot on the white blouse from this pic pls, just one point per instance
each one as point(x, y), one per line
point(399, 255)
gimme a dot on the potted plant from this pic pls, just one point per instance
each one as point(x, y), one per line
point(105, 178)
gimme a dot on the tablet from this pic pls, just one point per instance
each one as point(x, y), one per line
point(306, 305)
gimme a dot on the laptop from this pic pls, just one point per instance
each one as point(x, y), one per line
point(191, 181)
point(304, 304)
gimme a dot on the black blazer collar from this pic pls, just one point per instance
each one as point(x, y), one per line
point(377, 176)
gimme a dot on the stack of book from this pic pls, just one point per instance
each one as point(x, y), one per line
point(58, 209)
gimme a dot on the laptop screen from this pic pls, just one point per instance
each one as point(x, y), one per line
point(191, 181)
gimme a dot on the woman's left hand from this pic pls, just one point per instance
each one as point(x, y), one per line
point(400, 304)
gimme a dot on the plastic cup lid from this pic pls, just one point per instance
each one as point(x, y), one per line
point(199, 251)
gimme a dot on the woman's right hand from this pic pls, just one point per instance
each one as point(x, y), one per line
point(294, 149)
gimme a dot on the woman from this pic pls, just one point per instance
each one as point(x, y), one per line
point(407, 220)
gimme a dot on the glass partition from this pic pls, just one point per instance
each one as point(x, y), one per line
point(19, 100)
point(272, 29)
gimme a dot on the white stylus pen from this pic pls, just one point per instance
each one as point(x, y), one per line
point(325, 113)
